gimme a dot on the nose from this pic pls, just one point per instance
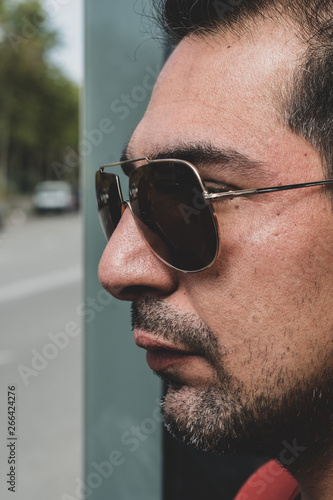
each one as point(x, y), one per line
point(128, 268)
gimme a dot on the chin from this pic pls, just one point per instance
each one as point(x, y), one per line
point(220, 419)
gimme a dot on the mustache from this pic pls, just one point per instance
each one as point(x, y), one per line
point(183, 329)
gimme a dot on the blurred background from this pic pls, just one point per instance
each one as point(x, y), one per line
point(39, 101)
point(41, 74)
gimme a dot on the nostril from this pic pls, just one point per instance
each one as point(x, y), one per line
point(139, 290)
point(132, 292)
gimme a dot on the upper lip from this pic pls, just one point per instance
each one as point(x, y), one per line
point(150, 343)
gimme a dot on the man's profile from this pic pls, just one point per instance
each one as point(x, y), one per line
point(232, 283)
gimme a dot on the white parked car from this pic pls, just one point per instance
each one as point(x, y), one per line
point(53, 195)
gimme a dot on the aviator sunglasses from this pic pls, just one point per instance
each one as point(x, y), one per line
point(171, 208)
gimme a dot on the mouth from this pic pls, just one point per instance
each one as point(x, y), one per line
point(161, 354)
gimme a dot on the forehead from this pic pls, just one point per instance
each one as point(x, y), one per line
point(226, 90)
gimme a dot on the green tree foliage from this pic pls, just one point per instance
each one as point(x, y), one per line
point(38, 104)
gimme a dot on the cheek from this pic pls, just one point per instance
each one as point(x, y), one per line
point(268, 298)
point(272, 272)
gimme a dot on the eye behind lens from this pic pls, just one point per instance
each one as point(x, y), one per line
point(173, 216)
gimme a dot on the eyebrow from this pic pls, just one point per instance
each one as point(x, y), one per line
point(206, 155)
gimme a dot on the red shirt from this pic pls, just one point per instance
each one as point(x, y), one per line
point(270, 482)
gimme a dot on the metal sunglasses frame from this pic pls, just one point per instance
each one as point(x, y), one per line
point(210, 196)
point(224, 194)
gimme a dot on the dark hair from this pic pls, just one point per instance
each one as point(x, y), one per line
point(308, 107)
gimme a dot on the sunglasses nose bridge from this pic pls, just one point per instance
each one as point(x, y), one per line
point(127, 204)
point(124, 205)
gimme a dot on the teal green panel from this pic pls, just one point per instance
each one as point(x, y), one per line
point(123, 439)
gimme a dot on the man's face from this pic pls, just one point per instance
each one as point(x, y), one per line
point(246, 345)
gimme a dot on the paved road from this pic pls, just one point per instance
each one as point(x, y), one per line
point(41, 354)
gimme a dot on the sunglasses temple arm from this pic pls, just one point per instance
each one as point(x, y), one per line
point(102, 167)
point(247, 192)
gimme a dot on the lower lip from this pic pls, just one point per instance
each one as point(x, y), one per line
point(160, 360)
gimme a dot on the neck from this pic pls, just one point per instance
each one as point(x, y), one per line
point(314, 474)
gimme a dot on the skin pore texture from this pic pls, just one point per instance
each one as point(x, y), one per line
point(257, 326)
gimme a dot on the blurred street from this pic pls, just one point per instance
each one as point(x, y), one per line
point(41, 352)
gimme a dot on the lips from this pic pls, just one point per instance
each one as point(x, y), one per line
point(160, 360)
point(161, 354)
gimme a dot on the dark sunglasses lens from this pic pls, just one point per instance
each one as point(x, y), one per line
point(109, 201)
point(171, 213)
